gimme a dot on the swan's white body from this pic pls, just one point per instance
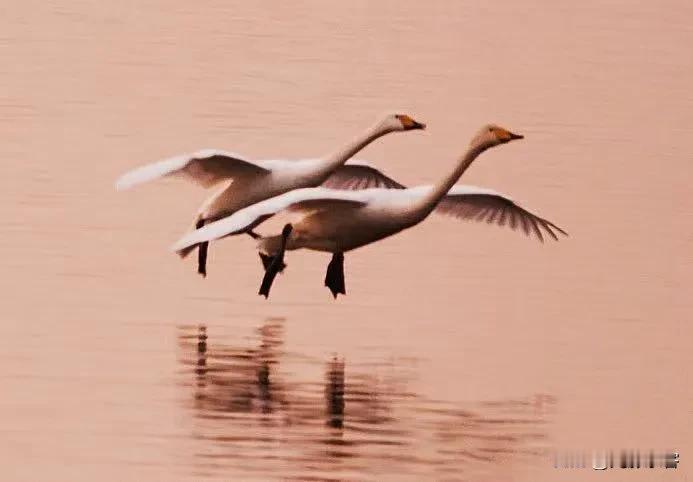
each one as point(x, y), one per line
point(337, 221)
point(334, 220)
point(245, 182)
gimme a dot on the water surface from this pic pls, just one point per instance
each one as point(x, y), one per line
point(462, 352)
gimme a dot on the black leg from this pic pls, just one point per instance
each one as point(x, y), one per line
point(267, 261)
point(276, 265)
point(334, 277)
point(265, 258)
point(202, 252)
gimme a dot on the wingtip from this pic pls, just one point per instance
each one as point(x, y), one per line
point(560, 230)
point(120, 185)
point(181, 248)
point(125, 182)
point(549, 227)
point(564, 233)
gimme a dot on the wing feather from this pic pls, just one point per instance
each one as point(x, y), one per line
point(536, 229)
point(478, 204)
point(206, 168)
point(360, 175)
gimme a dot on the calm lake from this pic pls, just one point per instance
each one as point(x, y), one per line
point(462, 351)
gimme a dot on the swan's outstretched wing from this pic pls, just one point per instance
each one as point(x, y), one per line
point(247, 218)
point(205, 168)
point(360, 175)
point(479, 204)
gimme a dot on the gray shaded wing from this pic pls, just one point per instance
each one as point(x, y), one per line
point(356, 175)
point(477, 204)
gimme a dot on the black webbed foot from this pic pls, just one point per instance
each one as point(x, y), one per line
point(334, 277)
point(202, 252)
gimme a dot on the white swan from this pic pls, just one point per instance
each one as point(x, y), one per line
point(337, 221)
point(247, 182)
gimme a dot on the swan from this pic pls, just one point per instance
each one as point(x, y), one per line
point(338, 221)
point(246, 182)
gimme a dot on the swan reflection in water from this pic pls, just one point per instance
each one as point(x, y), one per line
point(235, 380)
point(261, 411)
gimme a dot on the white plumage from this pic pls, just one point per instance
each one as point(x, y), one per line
point(246, 182)
point(339, 220)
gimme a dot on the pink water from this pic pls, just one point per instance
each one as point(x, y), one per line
point(462, 352)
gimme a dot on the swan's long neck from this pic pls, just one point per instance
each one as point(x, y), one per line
point(346, 152)
point(425, 205)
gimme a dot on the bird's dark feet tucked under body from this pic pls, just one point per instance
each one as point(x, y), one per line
point(334, 277)
point(202, 252)
point(276, 264)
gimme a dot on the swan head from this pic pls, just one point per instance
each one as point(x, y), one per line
point(401, 122)
point(493, 135)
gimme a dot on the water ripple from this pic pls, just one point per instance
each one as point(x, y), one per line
point(247, 408)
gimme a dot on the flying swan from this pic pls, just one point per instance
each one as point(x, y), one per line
point(247, 182)
point(338, 221)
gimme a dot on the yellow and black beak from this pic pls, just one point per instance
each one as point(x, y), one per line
point(417, 125)
point(504, 135)
point(410, 124)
